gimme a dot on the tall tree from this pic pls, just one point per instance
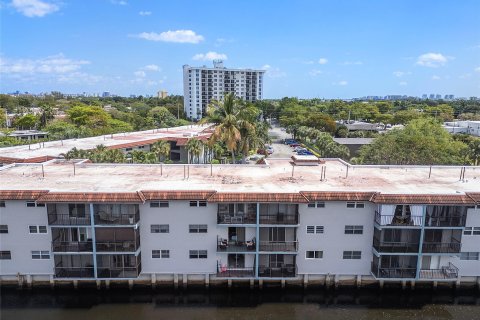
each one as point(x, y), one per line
point(194, 148)
point(162, 149)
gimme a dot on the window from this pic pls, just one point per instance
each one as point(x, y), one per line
point(469, 256)
point(314, 255)
point(160, 228)
point(2, 204)
point(197, 228)
point(198, 254)
point(37, 229)
point(316, 205)
point(40, 204)
point(353, 229)
point(3, 228)
point(40, 255)
point(469, 231)
point(30, 203)
point(76, 210)
point(352, 254)
point(160, 254)
point(159, 204)
point(355, 205)
point(195, 203)
point(315, 229)
point(5, 255)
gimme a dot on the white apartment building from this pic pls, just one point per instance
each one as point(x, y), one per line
point(202, 85)
point(465, 127)
point(151, 224)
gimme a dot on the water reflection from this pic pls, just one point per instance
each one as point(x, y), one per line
point(239, 304)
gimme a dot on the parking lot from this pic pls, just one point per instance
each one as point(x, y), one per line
point(280, 150)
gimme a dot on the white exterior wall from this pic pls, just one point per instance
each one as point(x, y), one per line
point(192, 96)
point(21, 243)
point(334, 241)
point(470, 244)
point(179, 241)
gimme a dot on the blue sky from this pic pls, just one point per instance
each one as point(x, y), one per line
point(330, 49)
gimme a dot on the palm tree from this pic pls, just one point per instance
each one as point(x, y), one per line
point(137, 156)
point(194, 148)
point(162, 149)
point(229, 116)
point(150, 157)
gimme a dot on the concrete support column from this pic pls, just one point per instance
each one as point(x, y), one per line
point(185, 281)
point(94, 241)
point(359, 281)
point(99, 284)
point(207, 280)
point(29, 281)
point(52, 282)
point(75, 284)
point(305, 280)
point(252, 284)
point(175, 281)
point(107, 284)
point(154, 280)
point(260, 284)
point(130, 284)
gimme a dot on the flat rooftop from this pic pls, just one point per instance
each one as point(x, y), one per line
point(275, 177)
point(53, 149)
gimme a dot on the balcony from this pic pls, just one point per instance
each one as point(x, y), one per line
point(238, 218)
point(237, 213)
point(394, 273)
point(118, 265)
point(68, 220)
point(280, 271)
point(109, 218)
point(279, 246)
point(397, 221)
point(74, 272)
point(397, 247)
point(72, 246)
point(446, 221)
point(126, 272)
point(446, 272)
point(441, 247)
point(279, 218)
point(223, 245)
point(227, 272)
point(117, 246)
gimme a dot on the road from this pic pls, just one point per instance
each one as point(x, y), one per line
point(281, 150)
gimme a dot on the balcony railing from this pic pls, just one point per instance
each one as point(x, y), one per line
point(118, 246)
point(279, 246)
point(227, 272)
point(448, 221)
point(103, 217)
point(441, 247)
point(126, 272)
point(400, 221)
point(394, 273)
point(284, 271)
point(398, 247)
point(236, 219)
point(74, 272)
point(446, 272)
point(279, 218)
point(66, 219)
point(224, 245)
point(72, 246)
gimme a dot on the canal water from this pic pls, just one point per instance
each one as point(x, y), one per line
point(226, 305)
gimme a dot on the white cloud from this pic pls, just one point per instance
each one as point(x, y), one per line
point(145, 13)
point(340, 83)
point(119, 2)
point(352, 63)
point(34, 8)
point(315, 72)
point(179, 36)
point(432, 60)
point(273, 72)
point(435, 77)
point(322, 61)
point(52, 64)
point(151, 67)
point(400, 74)
point(209, 56)
point(140, 74)
point(403, 83)
point(477, 69)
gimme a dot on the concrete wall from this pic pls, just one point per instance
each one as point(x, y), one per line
point(470, 244)
point(334, 241)
point(21, 243)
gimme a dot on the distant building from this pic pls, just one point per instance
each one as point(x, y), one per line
point(162, 94)
point(449, 97)
point(438, 96)
point(432, 96)
point(425, 96)
point(28, 134)
point(202, 85)
point(465, 127)
point(105, 94)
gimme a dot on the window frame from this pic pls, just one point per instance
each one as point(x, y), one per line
point(353, 229)
point(159, 204)
point(316, 254)
point(355, 204)
point(352, 255)
point(162, 228)
point(30, 204)
point(200, 228)
point(3, 228)
point(198, 254)
point(5, 255)
point(3, 204)
point(470, 256)
point(40, 255)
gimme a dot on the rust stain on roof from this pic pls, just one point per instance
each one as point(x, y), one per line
point(177, 195)
point(123, 197)
point(257, 197)
point(337, 196)
point(21, 194)
point(434, 199)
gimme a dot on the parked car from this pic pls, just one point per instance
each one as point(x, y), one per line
point(296, 144)
point(304, 153)
point(299, 149)
point(290, 141)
